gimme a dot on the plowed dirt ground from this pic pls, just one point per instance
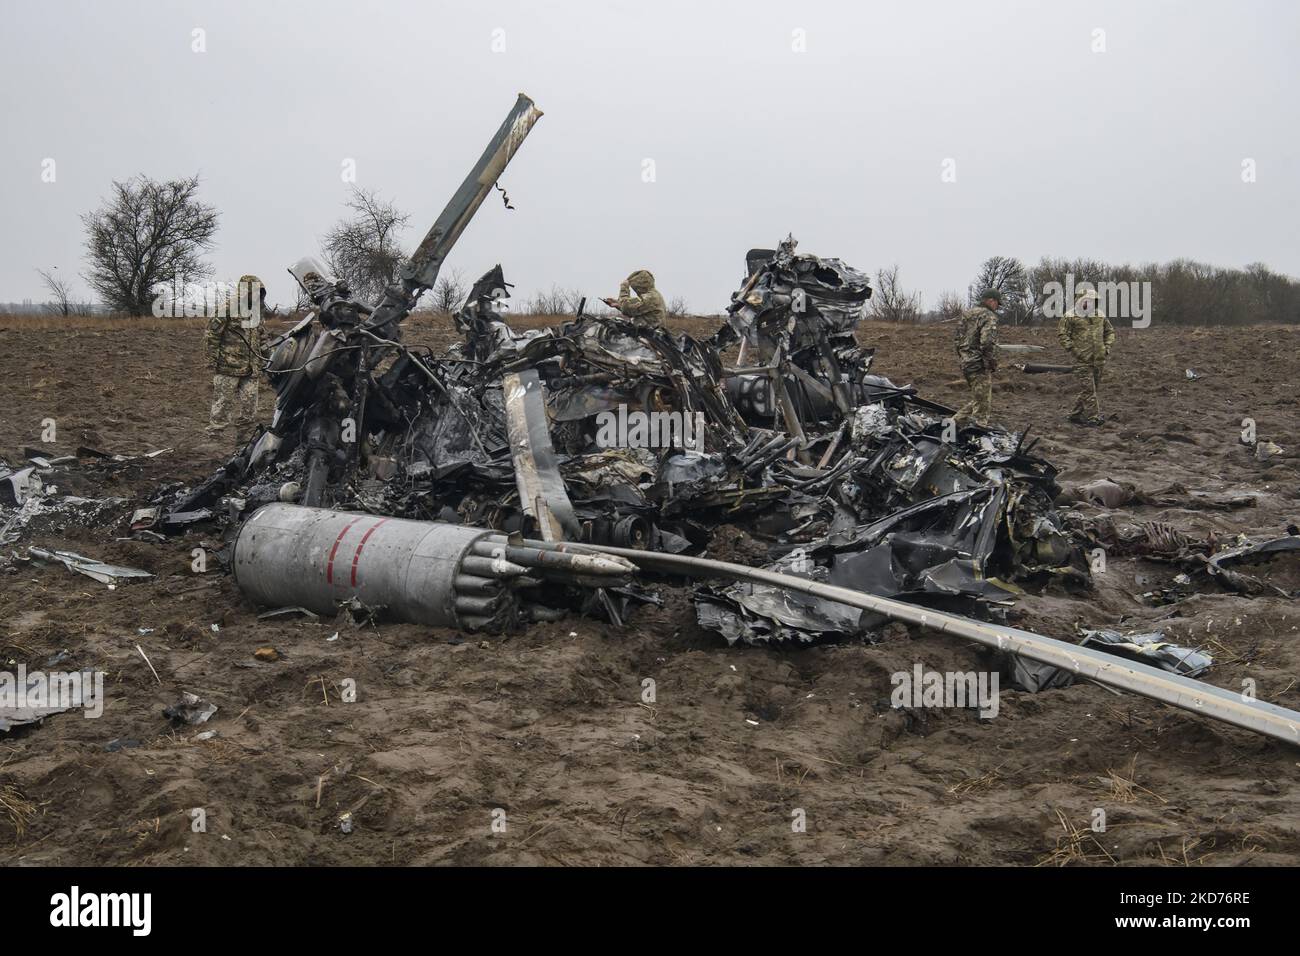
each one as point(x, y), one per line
point(548, 725)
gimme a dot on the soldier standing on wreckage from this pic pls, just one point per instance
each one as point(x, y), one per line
point(1088, 336)
point(977, 351)
point(647, 307)
point(235, 356)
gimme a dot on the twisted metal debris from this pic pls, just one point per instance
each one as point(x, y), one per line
point(506, 481)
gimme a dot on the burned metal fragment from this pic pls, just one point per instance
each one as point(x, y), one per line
point(109, 574)
point(1222, 564)
point(606, 431)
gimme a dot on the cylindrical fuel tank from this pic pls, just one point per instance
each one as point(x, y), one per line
point(288, 555)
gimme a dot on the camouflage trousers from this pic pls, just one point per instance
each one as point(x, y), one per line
point(234, 401)
point(980, 383)
point(1086, 402)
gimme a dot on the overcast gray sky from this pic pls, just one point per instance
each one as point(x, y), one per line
point(831, 120)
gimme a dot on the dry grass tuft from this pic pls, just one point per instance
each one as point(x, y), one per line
point(17, 810)
point(1124, 787)
point(1076, 845)
point(977, 784)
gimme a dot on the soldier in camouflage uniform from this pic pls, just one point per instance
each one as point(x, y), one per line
point(1088, 336)
point(977, 351)
point(235, 356)
point(647, 307)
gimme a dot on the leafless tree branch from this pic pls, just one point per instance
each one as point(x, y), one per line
point(363, 249)
point(146, 234)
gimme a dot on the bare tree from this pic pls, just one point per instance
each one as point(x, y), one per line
point(60, 293)
point(146, 234)
point(677, 307)
point(556, 301)
point(302, 303)
point(449, 293)
point(950, 306)
point(890, 302)
point(362, 250)
point(544, 302)
point(572, 299)
point(1007, 275)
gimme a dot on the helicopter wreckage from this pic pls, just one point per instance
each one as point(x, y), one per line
point(524, 475)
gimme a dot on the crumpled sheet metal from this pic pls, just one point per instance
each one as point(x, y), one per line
point(190, 709)
point(16, 487)
point(761, 614)
point(109, 574)
point(958, 522)
point(935, 551)
point(826, 289)
point(30, 502)
point(1151, 648)
point(11, 717)
point(952, 519)
point(1148, 648)
point(1221, 564)
point(73, 692)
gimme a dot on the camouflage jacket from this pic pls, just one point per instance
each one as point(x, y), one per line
point(645, 308)
point(1088, 338)
point(231, 348)
point(977, 340)
point(648, 305)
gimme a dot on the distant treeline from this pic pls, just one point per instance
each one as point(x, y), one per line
point(1182, 292)
point(50, 308)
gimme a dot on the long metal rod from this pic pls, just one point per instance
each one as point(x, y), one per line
point(1191, 695)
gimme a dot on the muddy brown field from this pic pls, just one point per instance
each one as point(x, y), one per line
point(549, 726)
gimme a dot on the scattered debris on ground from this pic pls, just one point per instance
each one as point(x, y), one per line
point(479, 486)
point(460, 489)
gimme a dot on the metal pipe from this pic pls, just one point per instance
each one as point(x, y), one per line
point(491, 567)
point(478, 606)
point(473, 584)
point(1038, 368)
point(1191, 695)
point(490, 544)
point(530, 555)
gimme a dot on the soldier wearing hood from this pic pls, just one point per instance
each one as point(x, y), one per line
point(1088, 336)
point(234, 346)
point(647, 306)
